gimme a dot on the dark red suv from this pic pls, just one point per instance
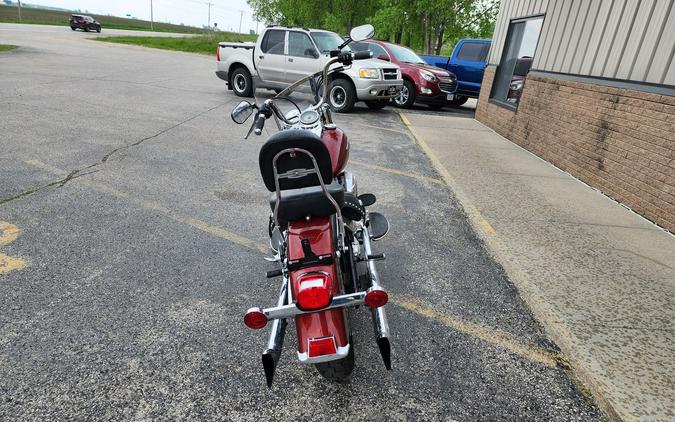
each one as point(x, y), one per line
point(422, 83)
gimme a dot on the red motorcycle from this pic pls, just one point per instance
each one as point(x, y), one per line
point(320, 229)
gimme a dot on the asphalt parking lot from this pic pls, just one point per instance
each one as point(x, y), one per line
point(138, 226)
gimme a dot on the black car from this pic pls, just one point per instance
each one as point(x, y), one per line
point(84, 22)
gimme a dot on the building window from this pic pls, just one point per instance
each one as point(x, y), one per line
point(517, 56)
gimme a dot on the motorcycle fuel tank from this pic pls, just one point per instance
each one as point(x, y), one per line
point(338, 148)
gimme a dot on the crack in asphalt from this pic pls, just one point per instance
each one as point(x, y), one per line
point(154, 84)
point(72, 175)
point(108, 155)
point(75, 173)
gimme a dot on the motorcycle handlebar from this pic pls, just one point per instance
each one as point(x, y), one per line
point(363, 55)
point(259, 123)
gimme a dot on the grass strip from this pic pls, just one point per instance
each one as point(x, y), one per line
point(7, 47)
point(202, 44)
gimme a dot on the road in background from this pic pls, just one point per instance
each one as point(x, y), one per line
point(139, 213)
point(14, 29)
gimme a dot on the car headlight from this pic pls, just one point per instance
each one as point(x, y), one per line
point(517, 85)
point(428, 76)
point(369, 73)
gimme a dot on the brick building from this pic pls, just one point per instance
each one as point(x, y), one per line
point(589, 85)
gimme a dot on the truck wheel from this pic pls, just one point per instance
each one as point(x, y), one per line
point(459, 100)
point(406, 98)
point(338, 370)
point(241, 82)
point(377, 104)
point(341, 95)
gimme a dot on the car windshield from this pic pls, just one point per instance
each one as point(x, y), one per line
point(404, 55)
point(327, 41)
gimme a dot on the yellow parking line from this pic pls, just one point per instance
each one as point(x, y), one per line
point(489, 335)
point(405, 120)
point(487, 227)
point(397, 172)
point(8, 233)
point(380, 128)
point(173, 215)
point(8, 263)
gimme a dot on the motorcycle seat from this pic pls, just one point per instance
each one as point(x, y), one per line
point(298, 204)
point(288, 139)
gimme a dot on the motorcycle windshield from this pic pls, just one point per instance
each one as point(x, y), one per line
point(327, 41)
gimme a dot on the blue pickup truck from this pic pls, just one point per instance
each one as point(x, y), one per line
point(467, 62)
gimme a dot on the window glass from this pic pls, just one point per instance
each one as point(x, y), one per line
point(473, 51)
point(327, 41)
point(274, 42)
point(521, 43)
point(359, 46)
point(377, 50)
point(299, 45)
point(404, 54)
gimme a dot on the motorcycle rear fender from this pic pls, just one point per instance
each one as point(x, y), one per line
point(320, 324)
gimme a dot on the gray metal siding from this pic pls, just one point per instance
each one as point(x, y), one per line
point(622, 39)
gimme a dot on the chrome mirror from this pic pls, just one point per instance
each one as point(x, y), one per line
point(362, 33)
point(242, 112)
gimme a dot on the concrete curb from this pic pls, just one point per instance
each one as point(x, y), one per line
point(553, 325)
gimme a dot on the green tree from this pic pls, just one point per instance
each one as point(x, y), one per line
point(424, 25)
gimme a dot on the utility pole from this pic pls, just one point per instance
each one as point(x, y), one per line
point(241, 16)
point(151, 17)
point(209, 4)
point(19, 11)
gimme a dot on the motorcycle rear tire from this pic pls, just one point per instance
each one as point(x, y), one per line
point(338, 370)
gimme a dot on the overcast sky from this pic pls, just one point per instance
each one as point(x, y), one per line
point(225, 13)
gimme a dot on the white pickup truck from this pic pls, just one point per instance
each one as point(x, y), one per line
point(284, 55)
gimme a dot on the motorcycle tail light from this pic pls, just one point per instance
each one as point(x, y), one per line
point(322, 346)
point(376, 298)
point(314, 292)
point(255, 318)
point(218, 54)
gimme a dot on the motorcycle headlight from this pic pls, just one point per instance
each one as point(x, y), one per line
point(428, 76)
point(369, 73)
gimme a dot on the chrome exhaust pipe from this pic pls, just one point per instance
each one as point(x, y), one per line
point(382, 335)
point(380, 324)
point(271, 355)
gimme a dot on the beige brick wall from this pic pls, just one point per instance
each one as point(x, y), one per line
point(620, 141)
